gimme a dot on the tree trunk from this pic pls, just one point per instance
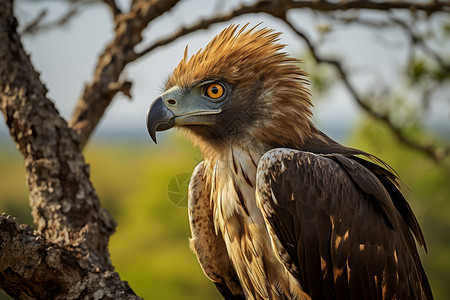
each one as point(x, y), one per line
point(67, 256)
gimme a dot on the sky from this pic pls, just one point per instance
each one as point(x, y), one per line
point(66, 58)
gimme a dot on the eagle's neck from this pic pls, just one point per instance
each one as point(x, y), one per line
point(232, 178)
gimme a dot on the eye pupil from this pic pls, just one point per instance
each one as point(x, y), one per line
point(215, 90)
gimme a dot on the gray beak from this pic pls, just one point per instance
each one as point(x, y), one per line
point(159, 118)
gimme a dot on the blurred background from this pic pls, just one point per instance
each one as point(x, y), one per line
point(144, 185)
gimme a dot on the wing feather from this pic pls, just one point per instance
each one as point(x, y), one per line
point(345, 226)
point(208, 246)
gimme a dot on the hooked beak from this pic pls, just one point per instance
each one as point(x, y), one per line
point(159, 118)
point(178, 107)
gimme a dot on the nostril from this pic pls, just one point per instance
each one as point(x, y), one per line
point(171, 101)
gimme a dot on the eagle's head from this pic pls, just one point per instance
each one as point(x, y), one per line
point(240, 88)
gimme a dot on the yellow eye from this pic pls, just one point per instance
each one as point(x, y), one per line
point(214, 90)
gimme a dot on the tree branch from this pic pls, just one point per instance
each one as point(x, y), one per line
point(429, 7)
point(258, 7)
point(31, 267)
point(37, 24)
point(31, 26)
point(433, 151)
point(99, 93)
point(113, 7)
point(41, 259)
point(65, 207)
point(61, 195)
point(415, 39)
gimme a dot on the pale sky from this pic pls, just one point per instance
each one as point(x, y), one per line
point(66, 58)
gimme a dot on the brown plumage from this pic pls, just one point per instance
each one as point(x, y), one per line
point(277, 209)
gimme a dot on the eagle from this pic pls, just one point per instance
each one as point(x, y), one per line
point(277, 209)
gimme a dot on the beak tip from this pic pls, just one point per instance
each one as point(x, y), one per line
point(152, 132)
point(154, 139)
point(159, 118)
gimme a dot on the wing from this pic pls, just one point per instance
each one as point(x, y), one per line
point(336, 228)
point(208, 246)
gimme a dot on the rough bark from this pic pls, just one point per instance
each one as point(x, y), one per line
point(72, 229)
point(33, 268)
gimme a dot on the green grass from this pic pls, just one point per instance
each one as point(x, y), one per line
point(13, 186)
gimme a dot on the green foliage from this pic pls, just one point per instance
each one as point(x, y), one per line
point(446, 29)
point(421, 69)
point(321, 76)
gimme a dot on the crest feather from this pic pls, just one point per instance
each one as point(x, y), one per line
point(233, 55)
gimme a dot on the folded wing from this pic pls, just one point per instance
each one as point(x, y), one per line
point(338, 228)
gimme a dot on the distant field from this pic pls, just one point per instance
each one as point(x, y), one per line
point(150, 248)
